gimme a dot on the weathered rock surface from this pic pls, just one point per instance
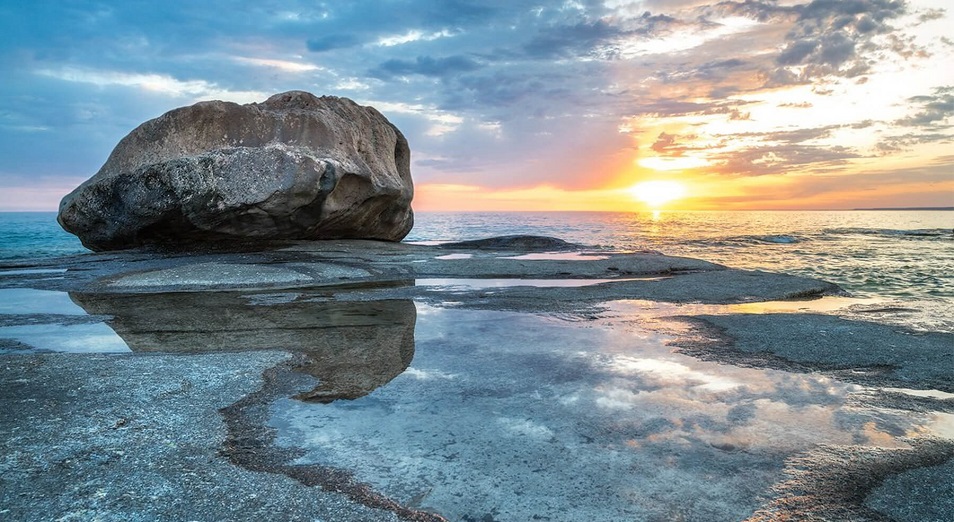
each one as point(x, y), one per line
point(293, 167)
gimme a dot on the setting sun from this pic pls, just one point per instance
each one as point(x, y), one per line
point(657, 193)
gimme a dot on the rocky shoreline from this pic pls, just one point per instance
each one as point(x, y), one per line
point(218, 336)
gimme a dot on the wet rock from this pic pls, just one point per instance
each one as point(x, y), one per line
point(293, 167)
point(520, 243)
point(866, 353)
point(832, 482)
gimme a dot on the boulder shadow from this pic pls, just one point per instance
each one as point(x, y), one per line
point(352, 348)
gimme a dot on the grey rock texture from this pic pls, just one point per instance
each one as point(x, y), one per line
point(293, 167)
point(123, 438)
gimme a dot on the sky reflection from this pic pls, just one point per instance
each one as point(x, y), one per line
point(527, 416)
point(22, 301)
point(37, 325)
point(72, 338)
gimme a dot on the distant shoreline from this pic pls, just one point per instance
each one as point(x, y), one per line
point(907, 208)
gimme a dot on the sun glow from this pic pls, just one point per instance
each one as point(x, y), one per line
point(677, 163)
point(657, 193)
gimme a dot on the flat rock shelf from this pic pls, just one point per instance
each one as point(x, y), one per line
point(509, 379)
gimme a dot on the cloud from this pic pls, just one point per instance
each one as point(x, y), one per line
point(411, 36)
point(780, 159)
point(828, 36)
point(426, 66)
point(790, 136)
point(931, 14)
point(934, 109)
point(283, 65)
point(332, 42)
point(504, 93)
point(667, 144)
point(570, 40)
point(158, 83)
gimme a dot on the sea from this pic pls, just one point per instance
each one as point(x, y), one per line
point(902, 257)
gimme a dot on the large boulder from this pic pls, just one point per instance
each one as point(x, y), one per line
point(293, 167)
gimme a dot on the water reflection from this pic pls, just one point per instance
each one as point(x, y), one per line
point(350, 347)
point(461, 283)
point(70, 338)
point(24, 301)
point(48, 321)
point(559, 256)
point(523, 417)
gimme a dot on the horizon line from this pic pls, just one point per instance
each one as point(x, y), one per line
point(863, 209)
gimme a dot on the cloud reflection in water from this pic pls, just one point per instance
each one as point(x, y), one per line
point(573, 421)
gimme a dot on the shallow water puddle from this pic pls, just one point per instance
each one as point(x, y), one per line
point(523, 417)
point(559, 256)
point(72, 338)
point(482, 284)
point(47, 334)
point(827, 304)
point(29, 301)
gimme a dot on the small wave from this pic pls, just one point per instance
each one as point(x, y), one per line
point(914, 233)
point(745, 241)
point(779, 239)
point(776, 239)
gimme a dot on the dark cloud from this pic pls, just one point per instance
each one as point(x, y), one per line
point(785, 138)
point(780, 159)
point(731, 63)
point(570, 40)
point(331, 42)
point(830, 37)
point(798, 136)
point(764, 12)
point(831, 54)
point(712, 71)
point(669, 145)
point(781, 152)
point(903, 142)
point(796, 52)
point(933, 109)
point(426, 66)
point(676, 107)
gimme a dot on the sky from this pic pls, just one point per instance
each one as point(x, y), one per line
point(518, 105)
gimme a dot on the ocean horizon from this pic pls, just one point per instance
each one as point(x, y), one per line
point(904, 256)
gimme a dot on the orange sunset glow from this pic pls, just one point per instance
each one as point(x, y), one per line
point(746, 105)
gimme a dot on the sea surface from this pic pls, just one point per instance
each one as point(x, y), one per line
point(901, 256)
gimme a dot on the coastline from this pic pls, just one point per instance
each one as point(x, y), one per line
point(191, 305)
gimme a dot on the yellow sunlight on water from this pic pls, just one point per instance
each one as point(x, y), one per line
point(657, 193)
